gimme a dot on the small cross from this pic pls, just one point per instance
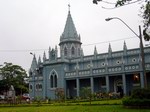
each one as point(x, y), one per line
point(69, 7)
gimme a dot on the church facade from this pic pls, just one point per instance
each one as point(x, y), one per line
point(119, 71)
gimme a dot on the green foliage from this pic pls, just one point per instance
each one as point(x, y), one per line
point(139, 97)
point(128, 101)
point(13, 75)
point(77, 108)
point(141, 94)
point(85, 92)
point(59, 92)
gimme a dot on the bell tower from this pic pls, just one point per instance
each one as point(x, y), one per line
point(70, 44)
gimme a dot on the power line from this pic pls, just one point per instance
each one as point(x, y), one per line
point(32, 50)
point(109, 41)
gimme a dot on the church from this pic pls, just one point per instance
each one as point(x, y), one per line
point(119, 71)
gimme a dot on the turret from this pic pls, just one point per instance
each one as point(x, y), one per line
point(109, 50)
point(44, 57)
point(95, 52)
point(124, 48)
point(70, 43)
point(49, 52)
point(39, 60)
point(34, 65)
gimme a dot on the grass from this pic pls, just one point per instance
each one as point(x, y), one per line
point(97, 106)
point(76, 108)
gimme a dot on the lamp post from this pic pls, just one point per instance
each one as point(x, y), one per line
point(141, 47)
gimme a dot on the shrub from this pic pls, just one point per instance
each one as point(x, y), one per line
point(141, 94)
point(135, 102)
point(138, 98)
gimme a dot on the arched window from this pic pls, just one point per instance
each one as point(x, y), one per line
point(30, 87)
point(72, 51)
point(65, 51)
point(38, 87)
point(53, 79)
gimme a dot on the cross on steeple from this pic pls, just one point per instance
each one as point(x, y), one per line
point(69, 7)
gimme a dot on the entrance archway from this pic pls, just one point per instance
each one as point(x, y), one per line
point(118, 87)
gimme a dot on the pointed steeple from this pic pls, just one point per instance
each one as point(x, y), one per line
point(95, 51)
point(34, 63)
point(109, 50)
point(69, 32)
point(39, 60)
point(49, 52)
point(124, 46)
point(69, 38)
point(44, 56)
point(56, 52)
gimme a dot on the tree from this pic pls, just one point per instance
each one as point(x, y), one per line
point(59, 92)
point(86, 93)
point(13, 75)
point(145, 9)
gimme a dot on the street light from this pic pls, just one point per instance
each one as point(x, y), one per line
point(141, 46)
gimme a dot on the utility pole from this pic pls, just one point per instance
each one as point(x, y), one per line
point(141, 48)
point(143, 58)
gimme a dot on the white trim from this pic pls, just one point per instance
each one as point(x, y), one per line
point(53, 70)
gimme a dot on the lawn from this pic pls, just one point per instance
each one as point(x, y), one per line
point(69, 106)
point(75, 108)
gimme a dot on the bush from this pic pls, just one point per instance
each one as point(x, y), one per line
point(136, 102)
point(138, 98)
point(141, 94)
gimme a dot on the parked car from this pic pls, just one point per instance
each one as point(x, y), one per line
point(25, 96)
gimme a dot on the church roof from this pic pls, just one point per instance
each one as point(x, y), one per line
point(69, 30)
point(69, 33)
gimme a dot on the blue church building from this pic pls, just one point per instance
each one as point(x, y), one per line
point(119, 71)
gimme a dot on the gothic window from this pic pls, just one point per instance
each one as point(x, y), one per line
point(72, 51)
point(30, 87)
point(53, 80)
point(65, 51)
point(38, 86)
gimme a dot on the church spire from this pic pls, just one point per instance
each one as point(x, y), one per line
point(39, 60)
point(70, 37)
point(34, 63)
point(124, 46)
point(95, 51)
point(44, 57)
point(109, 50)
point(69, 30)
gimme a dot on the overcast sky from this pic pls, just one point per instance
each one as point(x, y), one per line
point(34, 25)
